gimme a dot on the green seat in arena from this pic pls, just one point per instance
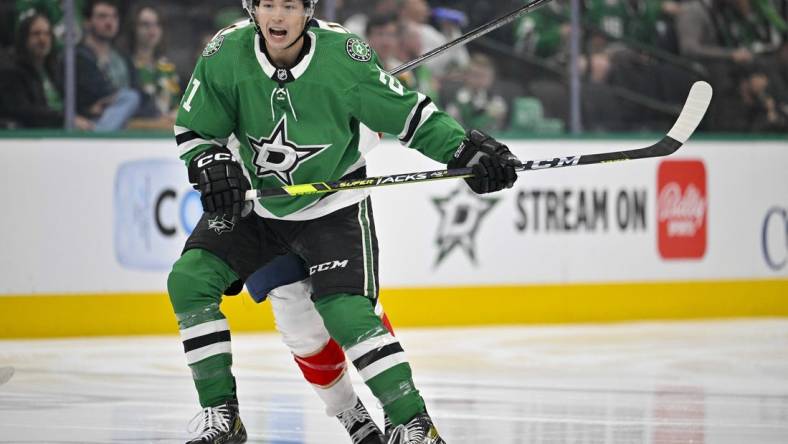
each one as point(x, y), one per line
point(528, 115)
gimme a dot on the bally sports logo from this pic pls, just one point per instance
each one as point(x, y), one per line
point(682, 209)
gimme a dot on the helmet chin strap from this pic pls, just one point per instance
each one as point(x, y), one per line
point(300, 36)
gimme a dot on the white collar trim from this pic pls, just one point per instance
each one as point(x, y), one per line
point(298, 70)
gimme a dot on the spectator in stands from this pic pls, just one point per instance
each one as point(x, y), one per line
point(754, 107)
point(705, 31)
point(421, 78)
point(636, 20)
point(415, 15)
point(663, 30)
point(475, 104)
point(53, 9)
point(32, 94)
point(105, 78)
point(545, 33)
point(780, 73)
point(7, 20)
point(382, 36)
point(157, 78)
point(728, 36)
point(357, 23)
point(450, 22)
point(601, 111)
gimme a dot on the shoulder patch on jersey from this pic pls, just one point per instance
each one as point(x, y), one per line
point(213, 46)
point(359, 50)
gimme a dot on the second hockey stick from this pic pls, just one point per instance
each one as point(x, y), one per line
point(471, 35)
point(691, 115)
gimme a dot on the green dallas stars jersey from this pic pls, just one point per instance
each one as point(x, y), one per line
point(306, 124)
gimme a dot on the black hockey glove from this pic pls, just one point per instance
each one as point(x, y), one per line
point(492, 162)
point(221, 182)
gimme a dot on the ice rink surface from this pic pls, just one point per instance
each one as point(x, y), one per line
point(714, 382)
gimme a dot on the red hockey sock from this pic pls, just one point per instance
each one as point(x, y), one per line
point(387, 324)
point(325, 367)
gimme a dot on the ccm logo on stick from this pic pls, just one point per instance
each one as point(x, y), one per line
point(327, 266)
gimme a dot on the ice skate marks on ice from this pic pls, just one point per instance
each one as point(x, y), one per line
point(5, 374)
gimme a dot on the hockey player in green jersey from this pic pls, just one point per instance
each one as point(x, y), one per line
point(279, 102)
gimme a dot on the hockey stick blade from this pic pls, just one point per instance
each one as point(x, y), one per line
point(691, 115)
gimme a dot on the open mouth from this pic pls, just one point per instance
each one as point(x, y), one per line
point(276, 32)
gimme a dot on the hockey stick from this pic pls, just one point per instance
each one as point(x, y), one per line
point(5, 374)
point(691, 115)
point(471, 35)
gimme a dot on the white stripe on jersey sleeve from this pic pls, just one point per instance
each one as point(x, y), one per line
point(425, 115)
point(421, 98)
point(195, 142)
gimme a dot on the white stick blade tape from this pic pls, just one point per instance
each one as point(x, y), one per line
point(693, 112)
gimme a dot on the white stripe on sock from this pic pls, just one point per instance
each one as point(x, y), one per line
point(204, 329)
point(382, 365)
point(198, 355)
point(362, 348)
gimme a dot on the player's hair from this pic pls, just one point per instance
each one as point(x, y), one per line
point(90, 5)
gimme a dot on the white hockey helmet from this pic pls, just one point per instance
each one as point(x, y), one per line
point(309, 7)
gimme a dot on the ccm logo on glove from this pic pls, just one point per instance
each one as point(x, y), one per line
point(493, 165)
point(218, 157)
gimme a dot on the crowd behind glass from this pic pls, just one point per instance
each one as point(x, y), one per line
point(637, 61)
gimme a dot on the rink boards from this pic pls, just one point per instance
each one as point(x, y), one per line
point(93, 225)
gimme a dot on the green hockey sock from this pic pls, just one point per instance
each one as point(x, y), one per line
point(196, 284)
point(378, 356)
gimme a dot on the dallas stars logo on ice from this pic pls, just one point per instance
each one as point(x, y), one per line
point(462, 213)
point(278, 156)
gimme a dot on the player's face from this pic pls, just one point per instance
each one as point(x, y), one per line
point(281, 21)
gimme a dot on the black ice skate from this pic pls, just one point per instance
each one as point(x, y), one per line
point(360, 426)
point(419, 430)
point(221, 425)
point(388, 427)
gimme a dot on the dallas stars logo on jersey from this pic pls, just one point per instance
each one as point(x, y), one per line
point(359, 50)
point(334, 97)
point(279, 157)
point(213, 46)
